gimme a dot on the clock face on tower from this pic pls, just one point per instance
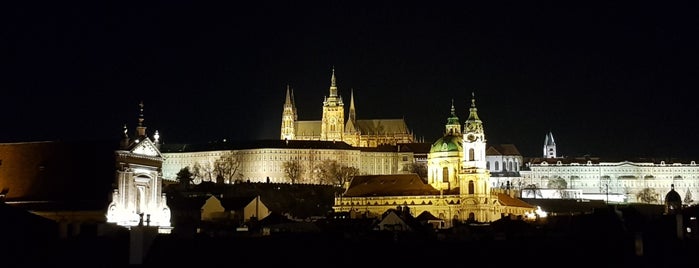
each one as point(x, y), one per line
point(471, 137)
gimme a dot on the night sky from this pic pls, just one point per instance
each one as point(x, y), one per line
point(608, 79)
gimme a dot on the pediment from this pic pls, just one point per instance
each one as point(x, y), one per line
point(147, 148)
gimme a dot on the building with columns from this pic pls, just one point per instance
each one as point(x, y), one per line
point(335, 126)
point(138, 197)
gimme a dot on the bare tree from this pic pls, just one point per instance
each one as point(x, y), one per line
point(531, 190)
point(560, 185)
point(226, 167)
point(331, 172)
point(293, 170)
point(418, 168)
point(204, 171)
point(345, 174)
point(325, 171)
point(648, 195)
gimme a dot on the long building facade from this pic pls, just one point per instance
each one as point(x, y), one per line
point(335, 126)
point(612, 180)
point(264, 160)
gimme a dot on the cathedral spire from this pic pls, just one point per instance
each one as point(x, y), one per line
point(352, 113)
point(333, 85)
point(289, 116)
point(288, 95)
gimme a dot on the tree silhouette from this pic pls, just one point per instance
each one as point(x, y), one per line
point(688, 197)
point(184, 177)
point(648, 196)
point(293, 170)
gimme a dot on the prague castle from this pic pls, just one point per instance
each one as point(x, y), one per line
point(335, 127)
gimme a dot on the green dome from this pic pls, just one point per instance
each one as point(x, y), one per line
point(448, 143)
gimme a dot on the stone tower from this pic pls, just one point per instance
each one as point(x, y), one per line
point(333, 122)
point(549, 146)
point(289, 116)
point(473, 179)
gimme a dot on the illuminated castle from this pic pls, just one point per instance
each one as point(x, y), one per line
point(457, 189)
point(335, 127)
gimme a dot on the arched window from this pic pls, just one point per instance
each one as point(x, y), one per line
point(445, 174)
point(497, 165)
point(487, 165)
point(471, 187)
point(471, 154)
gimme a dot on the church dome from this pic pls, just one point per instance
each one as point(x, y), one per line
point(673, 197)
point(673, 201)
point(448, 143)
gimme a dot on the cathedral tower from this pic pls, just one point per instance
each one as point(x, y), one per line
point(333, 122)
point(549, 146)
point(289, 116)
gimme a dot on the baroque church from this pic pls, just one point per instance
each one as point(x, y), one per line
point(457, 189)
point(88, 187)
point(334, 126)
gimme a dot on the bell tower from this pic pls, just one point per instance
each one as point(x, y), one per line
point(473, 179)
point(332, 126)
point(474, 140)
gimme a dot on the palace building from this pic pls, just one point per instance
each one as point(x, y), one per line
point(613, 180)
point(458, 186)
point(334, 126)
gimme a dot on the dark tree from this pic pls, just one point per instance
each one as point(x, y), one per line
point(185, 177)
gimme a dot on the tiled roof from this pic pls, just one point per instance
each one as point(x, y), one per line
point(308, 128)
point(382, 126)
point(502, 149)
point(60, 175)
point(509, 201)
point(596, 160)
point(388, 185)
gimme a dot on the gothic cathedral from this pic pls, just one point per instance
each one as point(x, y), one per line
point(333, 126)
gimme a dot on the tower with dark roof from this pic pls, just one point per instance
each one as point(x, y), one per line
point(549, 146)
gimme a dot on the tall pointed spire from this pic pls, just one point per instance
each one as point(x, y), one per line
point(352, 113)
point(333, 84)
point(289, 116)
point(549, 146)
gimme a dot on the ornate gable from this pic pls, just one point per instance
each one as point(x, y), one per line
point(147, 148)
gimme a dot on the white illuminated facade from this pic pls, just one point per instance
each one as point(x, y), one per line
point(263, 161)
point(616, 181)
point(139, 198)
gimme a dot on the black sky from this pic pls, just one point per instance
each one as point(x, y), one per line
point(608, 79)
